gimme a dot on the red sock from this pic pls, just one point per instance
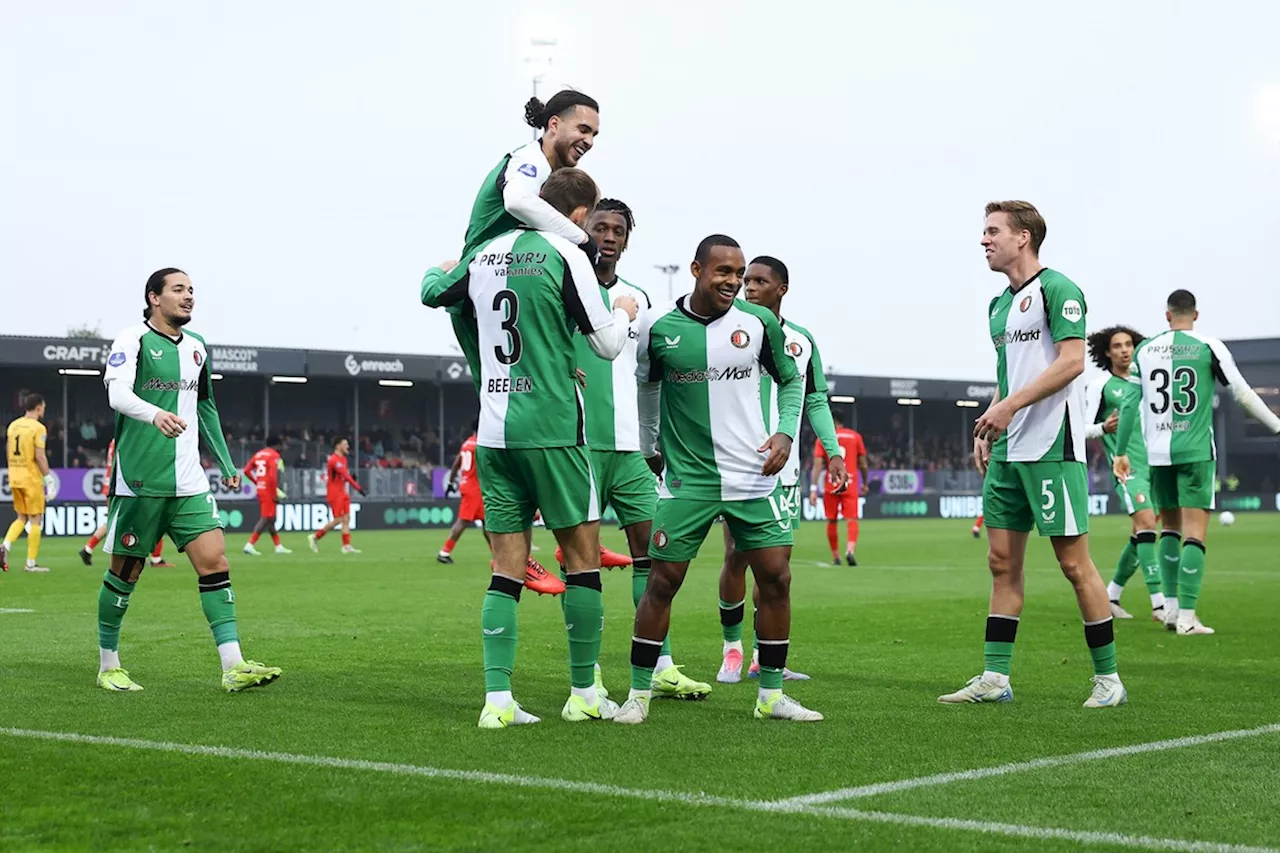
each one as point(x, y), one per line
point(978, 523)
point(253, 538)
point(853, 532)
point(159, 548)
point(833, 536)
point(92, 543)
point(448, 546)
point(346, 540)
point(320, 534)
point(275, 539)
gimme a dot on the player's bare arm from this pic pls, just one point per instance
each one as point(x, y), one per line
point(1068, 365)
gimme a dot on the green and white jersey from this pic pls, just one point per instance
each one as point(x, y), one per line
point(1109, 393)
point(803, 350)
point(613, 421)
point(1178, 370)
point(169, 374)
point(1025, 326)
point(509, 198)
point(529, 291)
point(711, 421)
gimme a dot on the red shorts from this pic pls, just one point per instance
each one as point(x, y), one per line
point(472, 508)
point(846, 504)
point(339, 505)
point(267, 507)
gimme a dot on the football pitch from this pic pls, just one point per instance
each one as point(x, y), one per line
point(369, 740)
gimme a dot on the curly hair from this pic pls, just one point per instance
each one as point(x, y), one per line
point(1100, 342)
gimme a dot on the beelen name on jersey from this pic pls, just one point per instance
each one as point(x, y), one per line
point(510, 385)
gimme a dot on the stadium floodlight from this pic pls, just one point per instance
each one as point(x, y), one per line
point(909, 401)
point(395, 383)
point(669, 270)
point(79, 371)
point(842, 398)
point(289, 380)
point(967, 404)
point(215, 376)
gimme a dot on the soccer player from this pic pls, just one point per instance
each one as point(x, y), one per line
point(839, 502)
point(697, 361)
point(1177, 370)
point(530, 289)
point(339, 499)
point(29, 480)
point(1029, 444)
point(767, 281)
point(976, 530)
point(86, 553)
point(472, 507)
point(1112, 349)
point(263, 470)
point(158, 382)
point(623, 480)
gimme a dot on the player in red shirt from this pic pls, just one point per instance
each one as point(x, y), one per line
point(263, 470)
point(338, 478)
point(846, 503)
point(86, 553)
point(472, 509)
point(977, 527)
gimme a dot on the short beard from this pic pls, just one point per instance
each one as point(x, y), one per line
point(179, 321)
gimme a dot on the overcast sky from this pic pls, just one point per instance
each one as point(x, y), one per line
point(306, 162)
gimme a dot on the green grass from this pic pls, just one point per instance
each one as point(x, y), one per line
point(381, 653)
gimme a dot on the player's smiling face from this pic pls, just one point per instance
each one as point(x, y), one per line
point(573, 135)
point(609, 230)
point(1121, 351)
point(177, 300)
point(763, 287)
point(1001, 242)
point(720, 278)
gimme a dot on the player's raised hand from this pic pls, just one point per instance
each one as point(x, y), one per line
point(656, 463)
point(778, 448)
point(170, 424)
point(981, 455)
point(626, 303)
point(1120, 467)
point(838, 473)
point(1112, 422)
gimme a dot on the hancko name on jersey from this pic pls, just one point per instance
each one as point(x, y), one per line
point(1016, 337)
point(510, 385)
point(711, 374)
point(1173, 426)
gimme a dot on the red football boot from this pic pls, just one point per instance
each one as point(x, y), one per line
point(540, 580)
point(608, 559)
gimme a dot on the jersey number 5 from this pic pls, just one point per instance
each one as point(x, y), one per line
point(506, 303)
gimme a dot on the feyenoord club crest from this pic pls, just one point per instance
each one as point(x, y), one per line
point(195, 354)
point(740, 338)
point(795, 349)
point(1026, 303)
point(660, 538)
point(128, 540)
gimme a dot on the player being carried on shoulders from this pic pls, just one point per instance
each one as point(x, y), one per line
point(767, 282)
point(336, 495)
point(533, 288)
point(157, 377)
point(263, 470)
point(1178, 370)
point(1111, 349)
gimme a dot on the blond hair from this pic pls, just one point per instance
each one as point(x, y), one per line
point(1025, 217)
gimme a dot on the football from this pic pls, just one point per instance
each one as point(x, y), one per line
point(1227, 518)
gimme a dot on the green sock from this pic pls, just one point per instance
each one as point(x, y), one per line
point(218, 602)
point(644, 658)
point(583, 619)
point(1101, 638)
point(773, 663)
point(1170, 558)
point(498, 625)
point(113, 601)
point(1191, 574)
point(1149, 560)
point(639, 580)
point(997, 650)
point(731, 616)
point(1127, 564)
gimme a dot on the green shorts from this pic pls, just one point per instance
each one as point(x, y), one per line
point(680, 525)
point(136, 525)
point(624, 481)
point(1052, 497)
point(1135, 495)
point(516, 484)
point(1189, 485)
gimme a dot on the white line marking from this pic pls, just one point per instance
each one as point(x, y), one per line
point(1023, 766)
point(15, 610)
point(695, 799)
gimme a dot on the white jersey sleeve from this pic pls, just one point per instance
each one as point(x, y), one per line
point(1092, 404)
point(1230, 376)
point(121, 372)
point(527, 170)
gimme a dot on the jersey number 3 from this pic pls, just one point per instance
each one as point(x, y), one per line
point(506, 303)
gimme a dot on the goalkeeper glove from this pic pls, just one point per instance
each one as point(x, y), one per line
point(50, 486)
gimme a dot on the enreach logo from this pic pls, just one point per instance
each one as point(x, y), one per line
point(355, 368)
